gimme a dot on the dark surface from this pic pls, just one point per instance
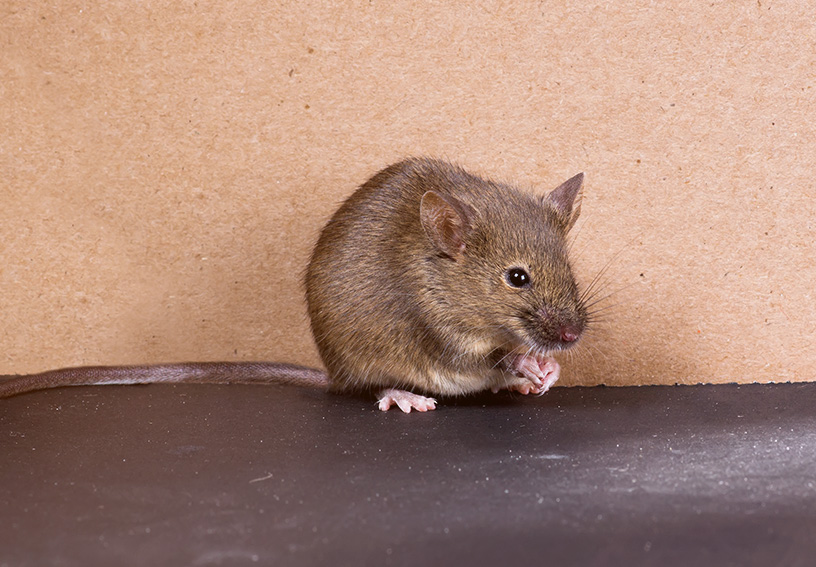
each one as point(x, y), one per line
point(243, 475)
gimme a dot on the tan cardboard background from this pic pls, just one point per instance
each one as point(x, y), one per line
point(165, 168)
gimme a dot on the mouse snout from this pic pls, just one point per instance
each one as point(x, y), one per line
point(570, 332)
point(562, 327)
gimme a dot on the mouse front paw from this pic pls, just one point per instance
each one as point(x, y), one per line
point(535, 374)
point(406, 401)
point(518, 384)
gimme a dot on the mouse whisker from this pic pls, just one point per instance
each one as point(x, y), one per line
point(602, 311)
point(508, 354)
point(605, 268)
point(594, 306)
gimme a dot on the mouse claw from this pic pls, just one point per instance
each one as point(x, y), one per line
point(406, 401)
point(541, 373)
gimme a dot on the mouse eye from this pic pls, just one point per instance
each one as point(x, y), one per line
point(517, 277)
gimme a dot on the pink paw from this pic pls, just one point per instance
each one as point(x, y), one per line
point(536, 374)
point(405, 401)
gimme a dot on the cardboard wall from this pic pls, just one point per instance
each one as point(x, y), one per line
point(165, 168)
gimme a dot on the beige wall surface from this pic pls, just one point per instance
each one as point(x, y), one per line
point(165, 168)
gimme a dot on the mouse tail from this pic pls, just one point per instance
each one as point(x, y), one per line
point(182, 373)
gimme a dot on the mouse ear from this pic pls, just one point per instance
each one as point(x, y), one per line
point(566, 199)
point(446, 222)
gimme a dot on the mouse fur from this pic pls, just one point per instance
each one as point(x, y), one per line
point(392, 306)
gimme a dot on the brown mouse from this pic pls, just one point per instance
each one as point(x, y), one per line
point(428, 280)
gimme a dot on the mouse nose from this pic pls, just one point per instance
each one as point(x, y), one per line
point(569, 332)
point(562, 326)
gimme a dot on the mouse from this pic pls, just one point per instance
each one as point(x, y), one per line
point(427, 281)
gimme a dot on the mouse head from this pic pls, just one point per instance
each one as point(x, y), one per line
point(504, 264)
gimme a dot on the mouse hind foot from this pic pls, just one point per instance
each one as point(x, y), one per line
point(406, 401)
